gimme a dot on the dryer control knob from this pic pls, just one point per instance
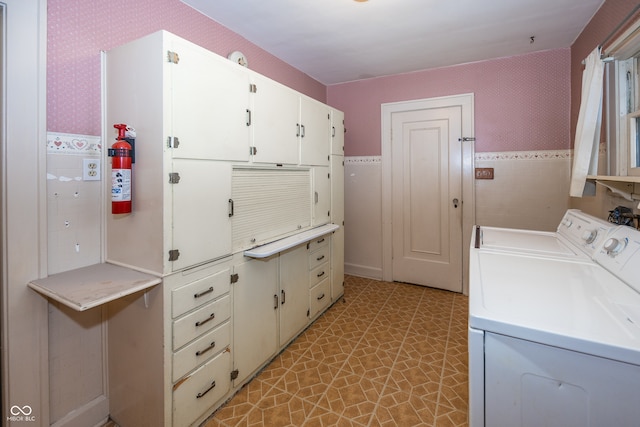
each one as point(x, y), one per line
point(614, 246)
point(589, 236)
point(567, 222)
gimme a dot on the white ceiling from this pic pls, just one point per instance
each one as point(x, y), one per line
point(336, 41)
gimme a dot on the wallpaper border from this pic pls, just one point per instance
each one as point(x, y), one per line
point(488, 156)
point(68, 143)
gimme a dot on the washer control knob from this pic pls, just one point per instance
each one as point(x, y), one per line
point(589, 235)
point(614, 246)
point(567, 222)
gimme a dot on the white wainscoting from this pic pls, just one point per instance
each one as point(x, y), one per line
point(363, 216)
point(530, 190)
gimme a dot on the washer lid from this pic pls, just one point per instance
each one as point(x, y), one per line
point(527, 242)
point(576, 305)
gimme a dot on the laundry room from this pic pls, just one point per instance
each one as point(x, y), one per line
point(377, 142)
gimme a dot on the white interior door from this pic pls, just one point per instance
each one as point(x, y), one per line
point(427, 197)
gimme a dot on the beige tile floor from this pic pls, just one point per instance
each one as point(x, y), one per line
point(389, 354)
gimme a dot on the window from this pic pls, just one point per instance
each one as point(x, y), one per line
point(623, 106)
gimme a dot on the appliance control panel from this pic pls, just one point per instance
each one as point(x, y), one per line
point(585, 231)
point(620, 254)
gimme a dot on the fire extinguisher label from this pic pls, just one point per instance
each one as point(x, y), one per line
point(121, 185)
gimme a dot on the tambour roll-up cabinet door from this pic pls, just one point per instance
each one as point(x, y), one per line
point(268, 204)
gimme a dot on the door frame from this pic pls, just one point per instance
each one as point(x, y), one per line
point(466, 102)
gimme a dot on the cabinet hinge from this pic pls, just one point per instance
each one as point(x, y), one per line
point(174, 178)
point(173, 57)
point(234, 278)
point(174, 254)
point(308, 312)
point(253, 88)
point(234, 374)
point(173, 142)
point(253, 151)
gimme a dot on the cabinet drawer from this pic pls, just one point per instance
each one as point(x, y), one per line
point(318, 242)
point(320, 256)
point(200, 321)
point(194, 294)
point(319, 297)
point(319, 273)
point(200, 350)
point(198, 392)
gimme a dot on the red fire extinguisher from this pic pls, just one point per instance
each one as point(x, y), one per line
point(120, 151)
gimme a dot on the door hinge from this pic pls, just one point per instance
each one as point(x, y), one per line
point(174, 254)
point(234, 374)
point(173, 57)
point(173, 142)
point(308, 312)
point(174, 178)
point(253, 151)
point(253, 88)
point(234, 278)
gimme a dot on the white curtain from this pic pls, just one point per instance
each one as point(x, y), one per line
point(587, 142)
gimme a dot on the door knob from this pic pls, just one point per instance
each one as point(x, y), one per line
point(455, 203)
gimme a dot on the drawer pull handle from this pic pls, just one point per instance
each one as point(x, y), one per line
point(199, 395)
point(321, 296)
point(201, 352)
point(320, 258)
point(208, 319)
point(203, 293)
point(321, 274)
point(320, 241)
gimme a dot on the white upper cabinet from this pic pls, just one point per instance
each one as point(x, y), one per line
point(274, 113)
point(210, 105)
point(315, 132)
point(201, 222)
point(337, 133)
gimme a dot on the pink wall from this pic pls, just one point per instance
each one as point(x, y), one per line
point(79, 29)
point(521, 102)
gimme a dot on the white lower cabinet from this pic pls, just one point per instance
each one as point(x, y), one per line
point(294, 294)
point(200, 305)
point(197, 394)
point(255, 315)
point(319, 275)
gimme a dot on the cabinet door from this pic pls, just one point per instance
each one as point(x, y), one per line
point(316, 133)
point(337, 190)
point(255, 311)
point(210, 103)
point(337, 264)
point(294, 291)
point(201, 227)
point(321, 196)
point(274, 122)
point(337, 133)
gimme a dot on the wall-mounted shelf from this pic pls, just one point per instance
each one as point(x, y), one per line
point(91, 286)
point(632, 179)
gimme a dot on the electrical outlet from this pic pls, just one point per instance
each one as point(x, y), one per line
point(91, 169)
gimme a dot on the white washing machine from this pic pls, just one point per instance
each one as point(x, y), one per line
point(554, 338)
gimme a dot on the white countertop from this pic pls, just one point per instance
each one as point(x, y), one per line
point(273, 248)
